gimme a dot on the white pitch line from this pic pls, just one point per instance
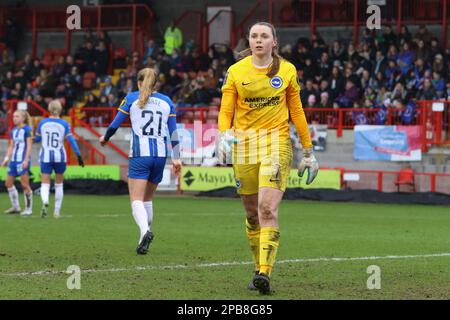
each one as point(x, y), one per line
point(231, 263)
point(65, 216)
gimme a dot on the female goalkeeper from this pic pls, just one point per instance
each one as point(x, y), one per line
point(260, 94)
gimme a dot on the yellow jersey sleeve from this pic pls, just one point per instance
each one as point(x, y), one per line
point(296, 112)
point(227, 105)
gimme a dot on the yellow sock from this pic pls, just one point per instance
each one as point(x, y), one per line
point(253, 232)
point(268, 246)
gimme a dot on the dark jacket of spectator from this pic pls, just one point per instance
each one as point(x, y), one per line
point(350, 96)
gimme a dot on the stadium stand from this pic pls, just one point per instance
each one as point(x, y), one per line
point(381, 79)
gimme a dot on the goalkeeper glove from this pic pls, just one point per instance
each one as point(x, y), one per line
point(80, 161)
point(225, 143)
point(309, 163)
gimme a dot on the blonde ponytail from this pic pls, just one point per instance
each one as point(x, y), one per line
point(27, 118)
point(147, 77)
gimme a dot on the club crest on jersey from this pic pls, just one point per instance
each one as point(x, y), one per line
point(276, 82)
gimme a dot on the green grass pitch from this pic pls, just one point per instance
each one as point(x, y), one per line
point(200, 251)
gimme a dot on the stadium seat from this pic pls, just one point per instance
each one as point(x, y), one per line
point(89, 80)
point(96, 92)
point(19, 63)
point(119, 58)
point(114, 79)
point(405, 177)
point(120, 53)
point(88, 84)
point(214, 108)
point(188, 115)
point(90, 75)
point(117, 72)
point(212, 114)
point(216, 101)
point(46, 61)
point(199, 115)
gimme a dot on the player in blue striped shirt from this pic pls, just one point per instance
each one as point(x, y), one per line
point(19, 158)
point(52, 132)
point(153, 122)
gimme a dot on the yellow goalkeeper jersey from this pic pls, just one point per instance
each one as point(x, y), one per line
point(253, 101)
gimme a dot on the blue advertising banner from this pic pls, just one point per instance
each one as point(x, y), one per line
point(387, 143)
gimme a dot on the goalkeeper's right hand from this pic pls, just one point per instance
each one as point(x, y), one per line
point(224, 148)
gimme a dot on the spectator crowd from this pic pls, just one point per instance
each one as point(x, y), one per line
point(385, 70)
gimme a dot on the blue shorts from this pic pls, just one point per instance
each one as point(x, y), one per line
point(15, 169)
point(49, 167)
point(147, 168)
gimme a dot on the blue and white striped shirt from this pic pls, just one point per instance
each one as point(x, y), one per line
point(19, 137)
point(150, 131)
point(53, 132)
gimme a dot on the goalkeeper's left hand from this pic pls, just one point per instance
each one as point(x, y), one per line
point(224, 148)
point(309, 163)
point(80, 161)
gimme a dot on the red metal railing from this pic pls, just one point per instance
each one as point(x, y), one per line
point(101, 116)
point(435, 125)
point(89, 152)
point(108, 115)
point(78, 122)
point(384, 181)
point(344, 118)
